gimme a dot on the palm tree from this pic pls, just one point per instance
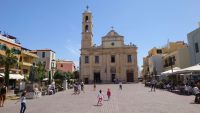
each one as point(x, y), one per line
point(7, 61)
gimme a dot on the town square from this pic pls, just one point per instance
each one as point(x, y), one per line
point(87, 56)
point(133, 98)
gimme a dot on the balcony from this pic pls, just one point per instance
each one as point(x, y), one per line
point(26, 64)
point(27, 53)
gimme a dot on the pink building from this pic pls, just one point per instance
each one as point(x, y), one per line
point(65, 66)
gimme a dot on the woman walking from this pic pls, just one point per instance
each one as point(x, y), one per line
point(23, 102)
point(3, 94)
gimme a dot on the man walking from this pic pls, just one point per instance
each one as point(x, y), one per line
point(153, 85)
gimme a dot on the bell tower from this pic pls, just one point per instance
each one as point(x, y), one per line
point(86, 41)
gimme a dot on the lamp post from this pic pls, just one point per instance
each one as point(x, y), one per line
point(52, 68)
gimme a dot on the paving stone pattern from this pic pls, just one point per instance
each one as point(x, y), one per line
point(134, 98)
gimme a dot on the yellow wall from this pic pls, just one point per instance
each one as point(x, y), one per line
point(10, 46)
point(26, 61)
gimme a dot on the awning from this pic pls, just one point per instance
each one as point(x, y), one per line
point(175, 69)
point(195, 68)
point(13, 76)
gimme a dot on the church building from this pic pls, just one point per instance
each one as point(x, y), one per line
point(109, 62)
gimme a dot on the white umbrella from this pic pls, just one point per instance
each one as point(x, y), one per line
point(168, 72)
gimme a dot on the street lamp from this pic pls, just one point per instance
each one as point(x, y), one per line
point(51, 71)
point(52, 67)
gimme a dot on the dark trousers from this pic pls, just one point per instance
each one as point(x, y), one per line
point(197, 98)
point(120, 87)
point(23, 107)
point(153, 86)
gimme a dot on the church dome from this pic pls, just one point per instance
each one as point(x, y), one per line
point(112, 33)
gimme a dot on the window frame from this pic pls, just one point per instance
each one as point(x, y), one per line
point(129, 59)
point(86, 59)
point(112, 59)
point(96, 59)
point(196, 47)
point(43, 54)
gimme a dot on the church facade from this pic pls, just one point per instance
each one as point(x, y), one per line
point(111, 61)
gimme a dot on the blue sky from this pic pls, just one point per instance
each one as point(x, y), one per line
point(56, 24)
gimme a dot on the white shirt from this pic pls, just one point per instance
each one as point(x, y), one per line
point(23, 99)
point(186, 87)
point(196, 90)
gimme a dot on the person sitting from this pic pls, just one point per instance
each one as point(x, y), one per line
point(50, 91)
point(168, 86)
point(186, 89)
point(197, 94)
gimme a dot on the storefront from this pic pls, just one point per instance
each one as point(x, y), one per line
point(14, 80)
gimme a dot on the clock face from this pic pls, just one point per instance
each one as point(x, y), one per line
point(112, 43)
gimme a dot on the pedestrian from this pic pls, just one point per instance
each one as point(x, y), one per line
point(108, 94)
point(23, 102)
point(79, 88)
point(36, 92)
point(100, 97)
point(120, 85)
point(153, 85)
point(3, 94)
point(82, 86)
point(75, 88)
point(94, 87)
point(197, 94)
point(0, 94)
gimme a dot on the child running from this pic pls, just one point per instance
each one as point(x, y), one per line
point(23, 102)
point(108, 94)
point(100, 98)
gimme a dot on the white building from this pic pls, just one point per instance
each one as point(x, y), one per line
point(156, 64)
point(194, 44)
point(47, 57)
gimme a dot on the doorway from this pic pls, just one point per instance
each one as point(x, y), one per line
point(97, 77)
point(86, 80)
point(130, 76)
point(113, 77)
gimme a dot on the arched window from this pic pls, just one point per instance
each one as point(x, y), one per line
point(86, 19)
point(86, 28)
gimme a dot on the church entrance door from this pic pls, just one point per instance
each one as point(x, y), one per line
point(86, 81)
point(129, 76)
point(113, 77)
point(97, 77)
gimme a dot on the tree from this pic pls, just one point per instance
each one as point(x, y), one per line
point(8, 60)
point(37, 73)
point(32, 74)
point(76, 74)
point(40, 71)
point(59, 75)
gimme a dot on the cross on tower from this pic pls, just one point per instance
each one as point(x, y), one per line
point(112, 27)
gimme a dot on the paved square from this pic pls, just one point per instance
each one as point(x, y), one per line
point(134, 98)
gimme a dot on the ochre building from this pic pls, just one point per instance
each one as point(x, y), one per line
point(109, 62)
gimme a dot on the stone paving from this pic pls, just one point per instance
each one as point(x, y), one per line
point(134, 98)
